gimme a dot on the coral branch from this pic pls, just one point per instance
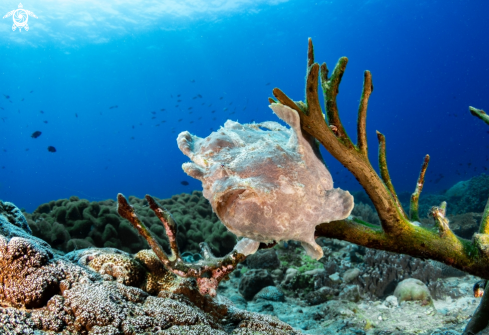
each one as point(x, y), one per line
point(423, 243)
point(397, 233)
point(331, 89)
point(484, 226)
point(284, 100)
point(127, 211)
point(313, 122)
point(413, 209)
point(169, 224)
point(480, 114)
point(208, 272)
point(310, 53)
point(362, 113)
point(384, 173)
point(313, 106)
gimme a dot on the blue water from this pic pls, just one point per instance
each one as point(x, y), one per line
point(429, 61)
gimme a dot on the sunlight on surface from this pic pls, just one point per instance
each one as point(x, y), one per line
point(69, 21)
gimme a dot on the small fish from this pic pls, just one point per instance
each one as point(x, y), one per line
point(22, 99)
point(192, 81)
point(176, 106)
point(154, 117)
point(36, 134)
point(6, 96)
point(191, 122)
point(180, 120)
point(45, 121)
point(163, 121)
point(230, 103)
point(162, 109)
point(4, 150)
point(132, 137)
point(209, 105)
point(3, 167)
point(220, 98)
point(41, 112)
point(194, 98)
point(31, 92)
point(171, 95)
point(76, 114)
point(51, 149)
point(153, 112)
point(225, 109)
point(178, 95)
point(26, 149)
point(2, 108)
point(184, 183)
point(190, 108)
point(3, 118)
point(200, 117)
point(213, 111)
point(199, 96)
point(112, 107)
point(267, 84)
point(244, 108)
point(179, 100)
point(202, 104)
point(214, 118)
point(132, 126)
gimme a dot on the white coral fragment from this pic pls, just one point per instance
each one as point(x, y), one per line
point(265, 182)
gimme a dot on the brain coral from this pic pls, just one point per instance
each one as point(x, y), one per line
point(73, 224)
point(265, 181)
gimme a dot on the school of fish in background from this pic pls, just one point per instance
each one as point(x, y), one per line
point(221, 109)
point(158, 117)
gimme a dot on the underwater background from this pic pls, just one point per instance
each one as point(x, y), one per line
point(110, 84)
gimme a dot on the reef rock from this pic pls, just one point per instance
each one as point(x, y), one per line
point(94, 291)
point(265, 181)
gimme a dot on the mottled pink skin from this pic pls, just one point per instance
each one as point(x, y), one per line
point(266, 184)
